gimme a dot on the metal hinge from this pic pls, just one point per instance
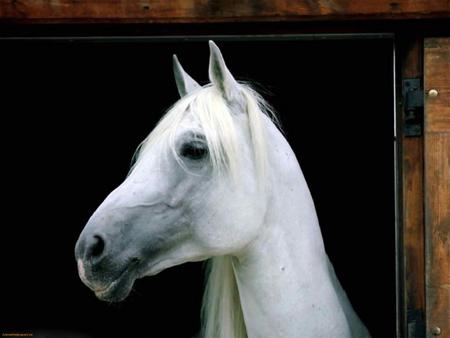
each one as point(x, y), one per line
point(412, 107)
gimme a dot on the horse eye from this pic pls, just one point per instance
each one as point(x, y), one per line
point(193, 151)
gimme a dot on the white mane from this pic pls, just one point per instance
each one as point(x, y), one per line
point(222, 315)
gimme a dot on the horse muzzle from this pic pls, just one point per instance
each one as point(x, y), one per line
point(110, 276)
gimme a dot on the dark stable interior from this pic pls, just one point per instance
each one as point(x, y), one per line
point(73, 114)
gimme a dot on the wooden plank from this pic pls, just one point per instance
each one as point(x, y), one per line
point(437, 65)
point(199, 11)
point(437, 186)
point(413, 272)
point(413, 236)
point(437, 233)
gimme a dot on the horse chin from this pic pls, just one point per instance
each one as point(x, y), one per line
point(117, 290)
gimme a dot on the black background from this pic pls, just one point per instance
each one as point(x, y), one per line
point(73, 114)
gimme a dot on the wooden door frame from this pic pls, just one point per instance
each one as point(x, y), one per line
point(410, 197)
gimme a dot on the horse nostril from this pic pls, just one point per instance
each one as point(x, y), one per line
point(96, 247)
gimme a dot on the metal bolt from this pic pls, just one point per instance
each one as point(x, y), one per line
point(433, 93)
point(436, 331)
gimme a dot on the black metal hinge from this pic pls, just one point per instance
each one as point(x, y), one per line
point(412, 107)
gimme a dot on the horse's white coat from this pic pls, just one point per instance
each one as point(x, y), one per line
point(249, 204)
point(286, 284)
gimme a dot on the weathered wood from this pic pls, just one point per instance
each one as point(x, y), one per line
point(198, 11)
point(413, 218)
point(438, 77)
point(437, 186)
point(413, 236)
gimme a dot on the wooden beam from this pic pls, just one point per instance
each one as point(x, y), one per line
point(203, 11)
point(413, 280)
point(437, 185)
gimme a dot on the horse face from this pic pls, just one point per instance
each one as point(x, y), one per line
point(174, 207)
point(167, 213)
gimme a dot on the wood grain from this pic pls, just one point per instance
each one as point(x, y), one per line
point(199, 11)
point(437, 65)
point(412, 234)
point(437, 186)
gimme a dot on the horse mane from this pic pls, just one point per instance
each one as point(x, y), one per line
point(222, 315)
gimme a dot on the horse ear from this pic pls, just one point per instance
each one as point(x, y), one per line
point(185, 83)
point(219, 75)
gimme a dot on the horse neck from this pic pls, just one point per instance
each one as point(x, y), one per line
point(283, 276)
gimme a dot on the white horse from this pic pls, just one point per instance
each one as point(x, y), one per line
point(217, 180)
